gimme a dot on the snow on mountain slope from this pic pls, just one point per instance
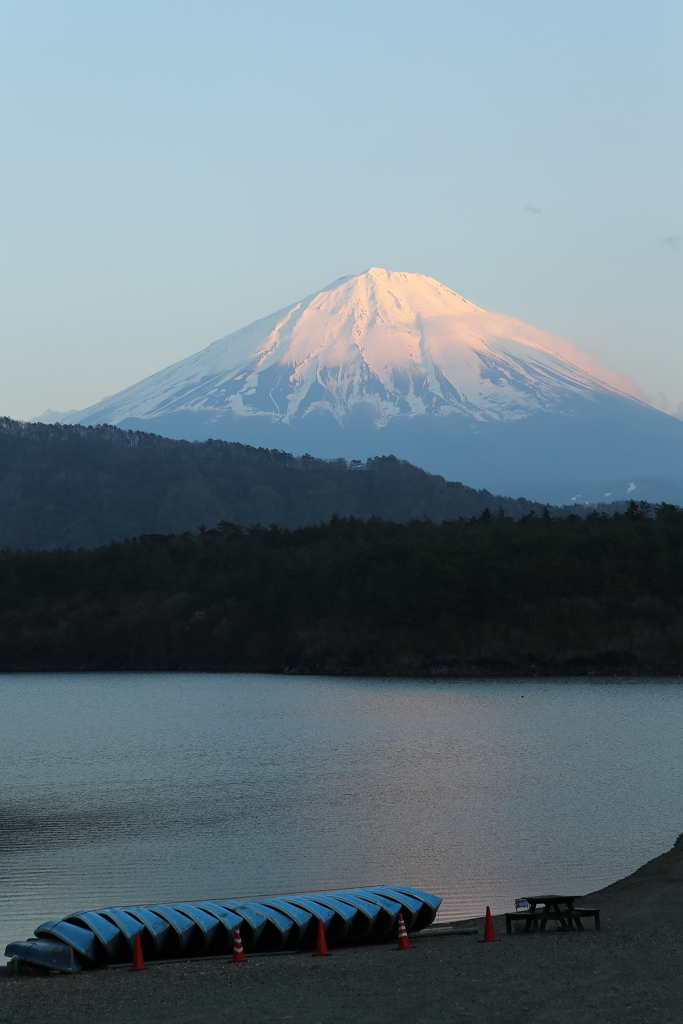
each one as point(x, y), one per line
point(399, 344)
point(397, 364)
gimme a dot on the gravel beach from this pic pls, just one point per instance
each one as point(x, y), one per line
point(630, 971)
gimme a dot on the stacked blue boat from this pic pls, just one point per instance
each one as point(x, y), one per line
point(169, 931)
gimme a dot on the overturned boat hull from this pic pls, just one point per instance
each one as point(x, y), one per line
point(90, 939)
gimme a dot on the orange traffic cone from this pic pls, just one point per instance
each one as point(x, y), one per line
point(489, 934)
point(403, 940)
point(138, 959)
point(238, 956)
point(321, 942)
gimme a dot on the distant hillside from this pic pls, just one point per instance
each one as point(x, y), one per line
point(86, 486)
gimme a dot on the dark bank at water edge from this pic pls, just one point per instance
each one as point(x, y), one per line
point(487, 595)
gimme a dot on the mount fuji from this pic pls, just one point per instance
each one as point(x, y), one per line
point(397, 363)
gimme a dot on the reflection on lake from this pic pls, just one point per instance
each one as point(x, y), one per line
point(130, 788)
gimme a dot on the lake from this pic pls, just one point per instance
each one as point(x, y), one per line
point(135, 788)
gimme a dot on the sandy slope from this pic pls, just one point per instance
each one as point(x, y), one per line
point(631, 971)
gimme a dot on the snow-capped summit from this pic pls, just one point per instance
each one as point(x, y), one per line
point(391, 362)
point(401, 344)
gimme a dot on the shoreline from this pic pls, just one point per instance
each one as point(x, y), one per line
point(444, 672)
point(627, 973)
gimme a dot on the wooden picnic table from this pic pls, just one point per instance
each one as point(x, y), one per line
point(555, 908)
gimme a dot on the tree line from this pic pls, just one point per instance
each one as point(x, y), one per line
point(487, 594)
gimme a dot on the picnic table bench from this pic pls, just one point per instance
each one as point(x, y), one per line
point(555, 908)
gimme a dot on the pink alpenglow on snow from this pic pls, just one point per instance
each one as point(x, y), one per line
point(391, 363)
point(401, 343)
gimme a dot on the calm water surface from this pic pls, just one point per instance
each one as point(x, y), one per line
point(133, 788)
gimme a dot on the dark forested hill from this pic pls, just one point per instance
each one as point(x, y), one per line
point(488, 595)
point(84, 486)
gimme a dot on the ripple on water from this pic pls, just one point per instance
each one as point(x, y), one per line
point(120, 788)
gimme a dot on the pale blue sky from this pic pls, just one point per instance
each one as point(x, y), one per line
point(172, 171)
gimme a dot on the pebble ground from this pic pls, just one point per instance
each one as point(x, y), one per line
point(630, 971)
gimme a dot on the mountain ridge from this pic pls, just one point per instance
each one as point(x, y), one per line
point(71, 485)
point(391, 339)
point(388, 362)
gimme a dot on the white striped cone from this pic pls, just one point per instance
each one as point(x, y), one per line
point(238, 956)
point(403, 940)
